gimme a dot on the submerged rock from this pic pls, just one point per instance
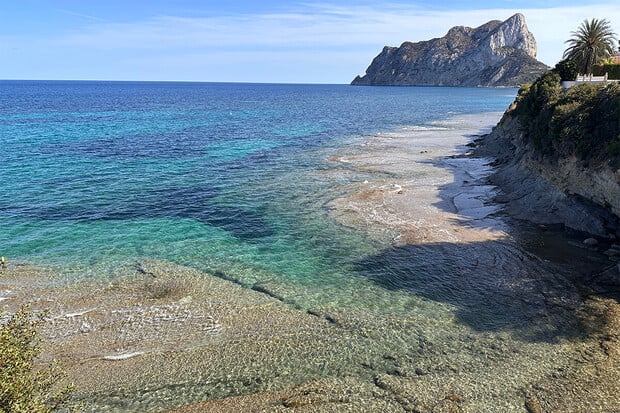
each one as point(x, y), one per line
point(592, 242)
point(532, 405)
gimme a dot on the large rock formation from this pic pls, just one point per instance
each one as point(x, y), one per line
point(494, 54)
point(557, 156)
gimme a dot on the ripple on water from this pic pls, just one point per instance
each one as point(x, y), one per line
point(238, 182)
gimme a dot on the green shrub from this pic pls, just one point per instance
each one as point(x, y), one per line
point(535, 107)
point(582, 121)
point(614, 147)
point(567, 69)
point(612, 70)
point(587, 116)
point(22, 389)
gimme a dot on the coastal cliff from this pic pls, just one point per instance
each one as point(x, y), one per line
point(494, 54)
point(558, 156)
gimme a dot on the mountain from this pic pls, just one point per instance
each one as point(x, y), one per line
point(494, 54)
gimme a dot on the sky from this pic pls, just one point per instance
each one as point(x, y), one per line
point(275, 41)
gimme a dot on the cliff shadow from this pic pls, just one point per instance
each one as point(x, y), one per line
point(529, 283)
point(478, 203)
point(493, 286)
point(470, 196)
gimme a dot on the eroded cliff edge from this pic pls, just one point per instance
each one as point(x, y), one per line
point(558, 156)
point(494, 54)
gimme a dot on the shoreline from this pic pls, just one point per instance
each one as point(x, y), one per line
point(164, 335)
point(428, 187)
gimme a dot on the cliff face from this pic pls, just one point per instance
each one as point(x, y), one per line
point(560, 171)
point(494, 54)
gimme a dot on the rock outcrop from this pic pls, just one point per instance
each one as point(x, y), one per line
point(551, 190)
point(494, 54)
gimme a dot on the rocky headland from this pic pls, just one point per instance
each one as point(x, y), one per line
point(557, 157)
point(494, 54)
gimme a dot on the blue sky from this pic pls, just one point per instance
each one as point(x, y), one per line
point(250, 41)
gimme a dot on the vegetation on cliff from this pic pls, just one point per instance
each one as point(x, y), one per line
point(582, 121)
point(612, 70)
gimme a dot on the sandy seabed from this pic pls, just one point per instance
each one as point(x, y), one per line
point(490, 327)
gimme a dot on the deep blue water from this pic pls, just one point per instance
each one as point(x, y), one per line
point(217, 176)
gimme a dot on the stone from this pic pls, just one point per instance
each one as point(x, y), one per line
point(592, 242)
point(85, 327)
point(454, 397)
point(186, 300)
point(494, 54)
point(532, 405)
point(612, 252)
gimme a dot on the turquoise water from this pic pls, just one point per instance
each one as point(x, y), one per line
point(221, 177)
point(243, 181)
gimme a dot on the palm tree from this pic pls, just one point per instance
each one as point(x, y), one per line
point(591, 43)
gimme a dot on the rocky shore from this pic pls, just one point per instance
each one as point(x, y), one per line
point(563, 192)
point(557, 191)
point(585, 199)
point(424, 186)
point(425, 194)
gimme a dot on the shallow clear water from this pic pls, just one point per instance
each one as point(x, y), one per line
point(216, 176)
point(239, 180)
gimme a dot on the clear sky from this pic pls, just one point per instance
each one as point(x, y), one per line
point(309, 41)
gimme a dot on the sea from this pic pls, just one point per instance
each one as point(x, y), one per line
point(216, 176)
point(239, 181)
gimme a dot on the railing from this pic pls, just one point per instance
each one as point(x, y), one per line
point(588, 79)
